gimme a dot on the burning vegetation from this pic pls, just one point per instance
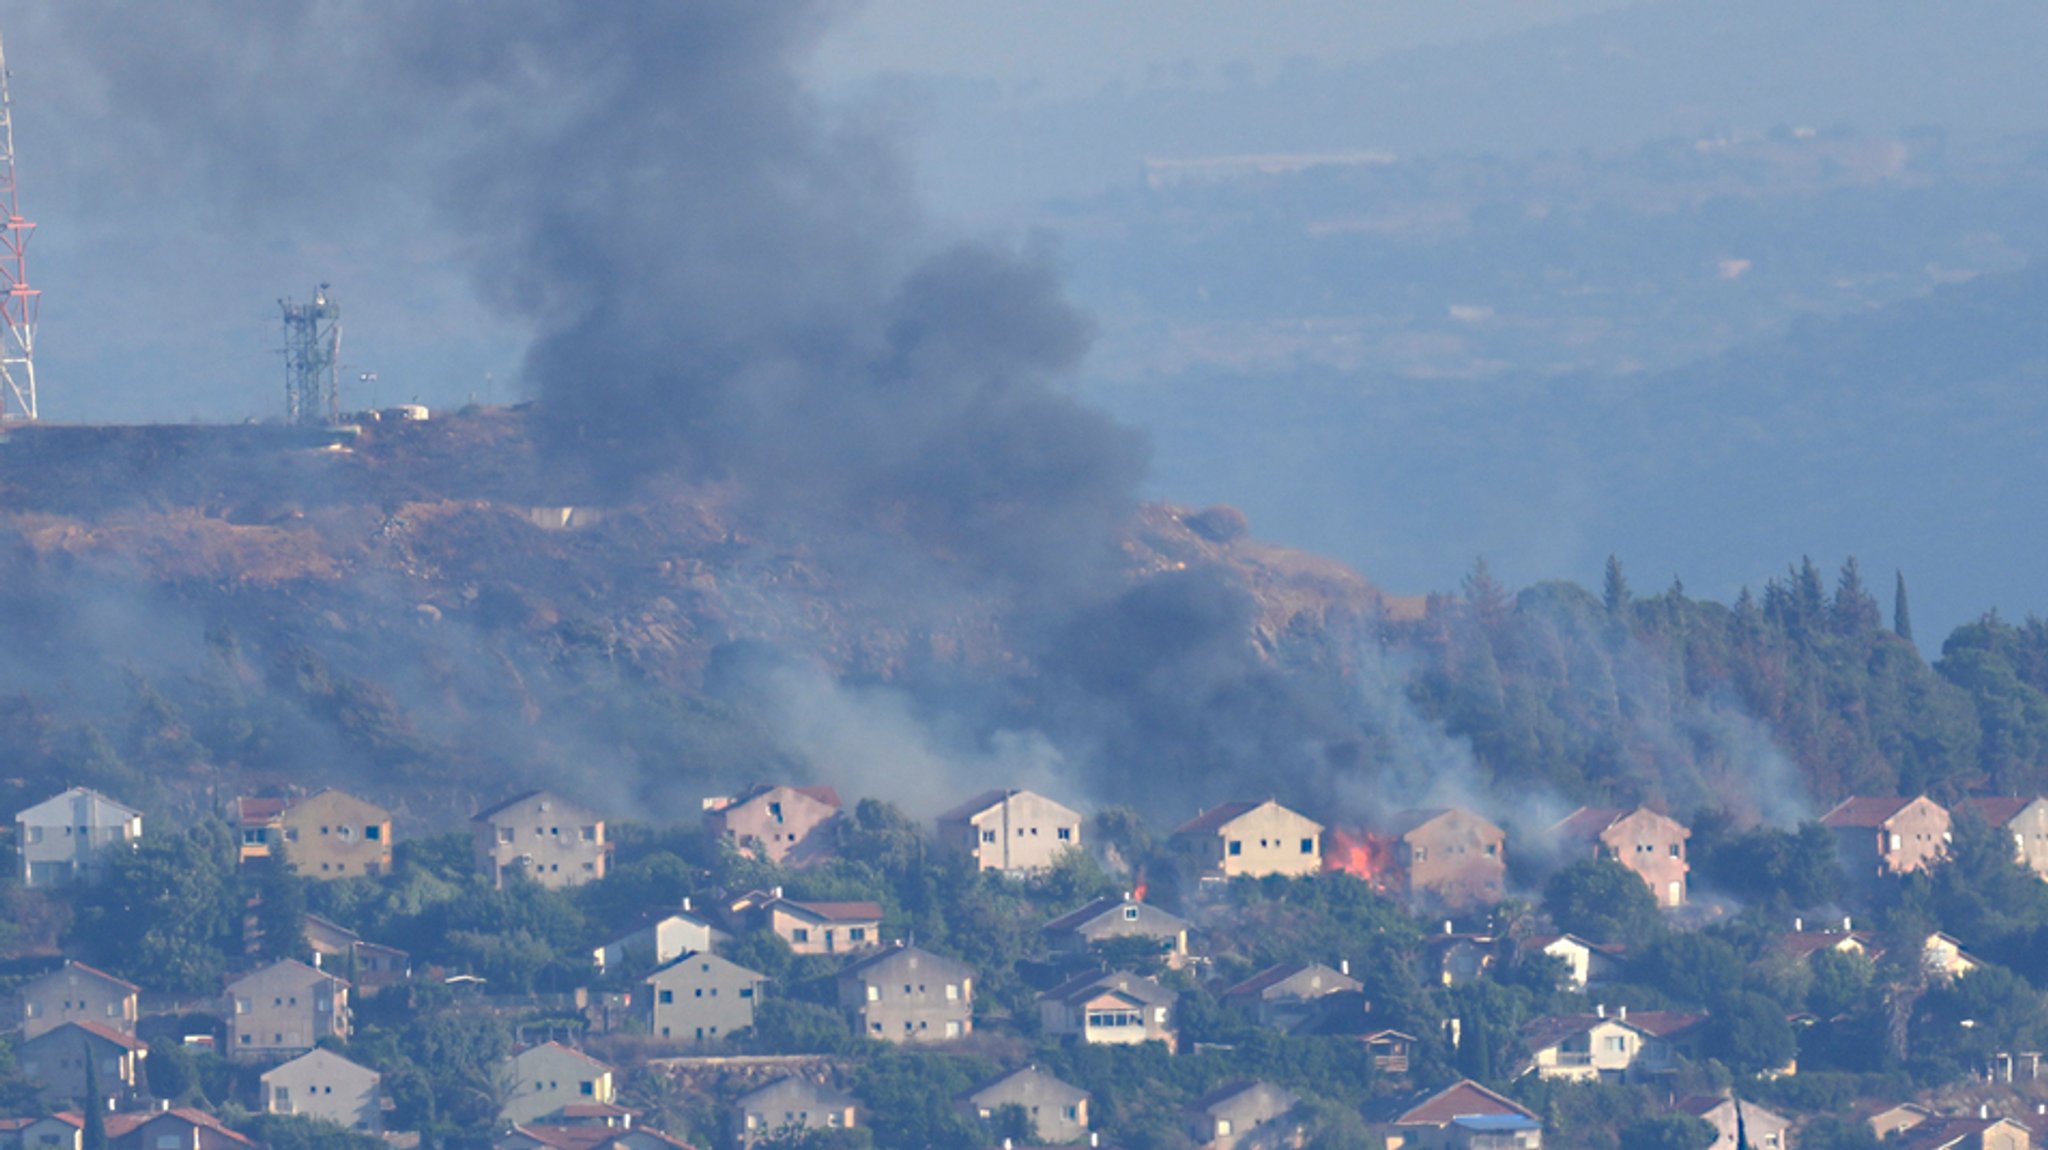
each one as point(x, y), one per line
point(1362, 855)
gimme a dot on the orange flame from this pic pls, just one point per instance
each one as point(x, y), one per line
point(1360, 855)
point(1138, 892)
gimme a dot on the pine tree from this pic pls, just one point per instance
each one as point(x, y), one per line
point(1902, 616)
point(95, 1134)
point(1615, 594)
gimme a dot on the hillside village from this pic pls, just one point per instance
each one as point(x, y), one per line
point(795, 971)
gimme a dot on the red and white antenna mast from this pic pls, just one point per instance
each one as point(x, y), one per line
point(21, 304)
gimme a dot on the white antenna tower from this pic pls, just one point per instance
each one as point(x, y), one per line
point(21, 304)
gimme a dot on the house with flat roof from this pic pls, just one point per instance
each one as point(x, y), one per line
point(1251, 840)
point(1013, 831)
point(65, 837)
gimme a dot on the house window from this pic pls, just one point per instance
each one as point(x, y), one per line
point(746, 992)
point(952, 992)
point(1897, 842)
point(345, 832)
point(952, 1030)
point(249, 837)
point(1308, 846)
point(800, 934)
point(504, 836)
point(1674, 850)
point(856, 933)
point(373, 834)
point(1066, 834)
point(586, 1088)
point(587, 834)
point(1236, 847)
point(1616, 1044)
point(35, 834)
point(988, 836)
point(1130, 914)
point(668, 997)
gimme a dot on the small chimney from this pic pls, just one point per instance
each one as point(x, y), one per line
point(775, 892)
point(1983, 1110)
point(1798, 926)
point(1009, 1145)
point(686, 902)
point(1344, 967)
point(1848, 923)
point(1599, 1010)
point(1447, 926)
point(1622, 1013)
point(1094, 1139)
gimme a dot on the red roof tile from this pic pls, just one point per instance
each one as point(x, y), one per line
point(1465, 1099)
point(1864, 811)
point(1212, 820)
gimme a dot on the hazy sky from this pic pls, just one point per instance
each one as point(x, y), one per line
point(1065, 48)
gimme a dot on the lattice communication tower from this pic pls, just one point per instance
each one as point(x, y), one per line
point(20, 307)
point(312, 361)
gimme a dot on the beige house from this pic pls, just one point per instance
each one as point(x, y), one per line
point(323, 1085)
point(1112, 917)
point(543, 1079)
point(331, 834)
point(285, 1009)
point(1585, 963)
point(1245, 1115)
point(76, 992)
point(1980, 1131)
point(1765, 1129)
point(1450, 858)
point(1117, 1009)
point(1602, 1048)
point(790, 1105)
point(1013, 831)
point(2025, 819)
point(1253, 840)
point(1461, 1116)
point(907, 994)
point(1877, 838)
point(56, 1061)
point(1945, 958)
point(700, 997)
point(825, 927)
point(1058, 1111)
point(543, 836)
point(659, 940)
point(178, 1129)
point(782, 824)
point(1650, 844)
point(1287, 995)
point(368, 966)
point(64, 837)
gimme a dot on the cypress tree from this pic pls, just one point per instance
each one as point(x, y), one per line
point(94, 1136)
point(1615, 594)
point(1902, 616)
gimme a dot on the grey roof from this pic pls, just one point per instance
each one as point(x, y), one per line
point(1149, 916)
point(1145, 990)
point(901, 957)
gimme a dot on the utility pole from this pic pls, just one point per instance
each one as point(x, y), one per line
point(21, 305)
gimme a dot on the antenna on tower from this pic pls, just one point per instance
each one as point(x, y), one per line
point(312, 361)
point(21, 305)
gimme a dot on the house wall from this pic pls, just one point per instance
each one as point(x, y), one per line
point(1766, 1130)
point(284, 1010)
point(898, 1003)
point(56, 1062)
point(564, 841)
point(1155, 1022)
point(790, 1105)
point(544, 1079)
point(701, 999)
point(1653, 846)
point(2029, 830)
point(61, 838)
point(330, 1089)
point(1131, 920)
point(1607, 1051)
point(775, 824)
point(1020, 833)
point(336, 835)
point(1058, 1113)
point(1268, 839)
point(1915, 838)
point(74, 995)
point(1456, 860)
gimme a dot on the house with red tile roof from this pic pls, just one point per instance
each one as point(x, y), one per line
point(1880, 837)
point(782, 824)
point(824, 927)
point(1460, 1115)
point(1646, 842)
point(2024, 819)
point(56, 1060)
point(76, 992)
